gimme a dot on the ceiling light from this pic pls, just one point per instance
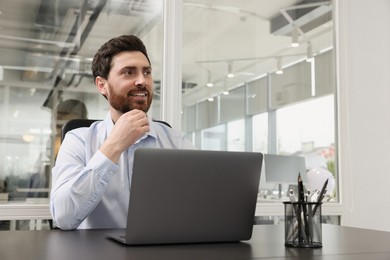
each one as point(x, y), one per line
point(211, 99)
point(279, 69)
point(309, 57)
point(33, 91)
point(28, 138)
point(225, 91)
point(294, 36)
point(230, 70)
point(209, 82)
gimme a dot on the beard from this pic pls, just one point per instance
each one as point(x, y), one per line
point(124, 103)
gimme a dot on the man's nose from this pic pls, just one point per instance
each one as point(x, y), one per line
point(141, 79)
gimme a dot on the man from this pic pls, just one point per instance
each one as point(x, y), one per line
point(92, 174)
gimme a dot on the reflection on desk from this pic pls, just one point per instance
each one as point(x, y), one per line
point(267, 243)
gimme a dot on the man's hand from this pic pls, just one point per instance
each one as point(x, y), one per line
point(127, 130)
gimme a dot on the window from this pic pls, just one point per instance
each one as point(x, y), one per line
point(267, 96)
point(214, 138)
point(306, 127)
point(260, 133)
point(236, 135)
point(45, 59)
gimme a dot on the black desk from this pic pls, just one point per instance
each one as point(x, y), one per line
point(267, 243)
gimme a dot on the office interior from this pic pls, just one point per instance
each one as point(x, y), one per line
point(298, 78)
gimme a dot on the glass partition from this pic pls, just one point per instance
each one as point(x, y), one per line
point(263, 72)
point(46, 50)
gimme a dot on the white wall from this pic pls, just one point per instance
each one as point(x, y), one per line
point(364, 111)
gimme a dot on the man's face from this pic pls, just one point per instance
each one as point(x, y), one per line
point(129, 84)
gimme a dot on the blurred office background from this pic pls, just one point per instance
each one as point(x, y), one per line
point(253, 75)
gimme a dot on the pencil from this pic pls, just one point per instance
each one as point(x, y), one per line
point(320, 196)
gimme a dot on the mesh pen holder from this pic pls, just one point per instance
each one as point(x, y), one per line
point(303, 224)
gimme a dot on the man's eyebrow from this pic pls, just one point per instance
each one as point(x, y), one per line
point(135, 67)
point(128, 67)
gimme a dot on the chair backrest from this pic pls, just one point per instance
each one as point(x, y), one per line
point(162, 122)
point(76, 123)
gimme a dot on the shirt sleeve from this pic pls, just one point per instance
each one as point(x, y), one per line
point(78, 182)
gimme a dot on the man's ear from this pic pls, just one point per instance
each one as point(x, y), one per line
point(101, 85)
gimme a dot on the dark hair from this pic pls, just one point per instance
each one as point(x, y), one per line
point(101, 63)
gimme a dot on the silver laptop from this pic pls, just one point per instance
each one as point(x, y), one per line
point(191, 196)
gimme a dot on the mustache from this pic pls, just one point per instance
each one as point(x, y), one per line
point(139, 89)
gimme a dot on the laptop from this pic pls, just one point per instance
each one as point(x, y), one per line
point(191, 196)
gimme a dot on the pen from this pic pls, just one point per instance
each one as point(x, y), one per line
point(299, 208)
point(293, 199)
point(301, 200)
point(293, 209)
point(301, 192)
point(310, 217)
point(320, 196)
point(314, 197)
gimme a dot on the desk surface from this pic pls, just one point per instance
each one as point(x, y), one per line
point(267, 243)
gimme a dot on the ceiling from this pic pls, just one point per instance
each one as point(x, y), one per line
point(50, 43)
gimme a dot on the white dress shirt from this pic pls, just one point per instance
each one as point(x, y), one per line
point(88, 189)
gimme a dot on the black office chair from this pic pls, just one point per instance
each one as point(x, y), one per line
point(162, 122)
point(76, 123)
